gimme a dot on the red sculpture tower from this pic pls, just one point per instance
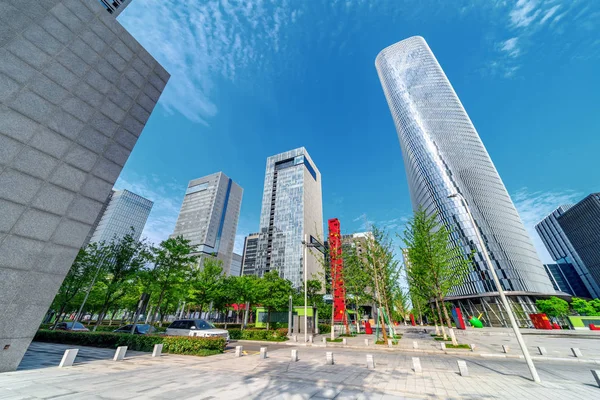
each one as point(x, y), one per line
point(337, 267)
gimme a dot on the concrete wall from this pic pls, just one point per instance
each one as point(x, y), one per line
point(75, 93)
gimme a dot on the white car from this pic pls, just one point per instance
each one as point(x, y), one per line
point(195, 327)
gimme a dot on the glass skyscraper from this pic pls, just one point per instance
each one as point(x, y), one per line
point(562, 251)
point(126, 212)
point(249, 255)
point(209, 216)
point(292, 207)
point(443, 155)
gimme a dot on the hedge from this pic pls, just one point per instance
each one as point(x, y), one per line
point(277, 335)
point(172, 344)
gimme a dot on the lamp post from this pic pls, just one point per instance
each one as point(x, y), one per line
point(505, 303)
point(305, 264)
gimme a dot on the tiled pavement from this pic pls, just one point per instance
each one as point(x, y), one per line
point(249, 377)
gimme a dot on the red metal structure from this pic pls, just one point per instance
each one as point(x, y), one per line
point(337, 267)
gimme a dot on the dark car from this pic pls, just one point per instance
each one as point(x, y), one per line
point(140, 329)
point(71, 326)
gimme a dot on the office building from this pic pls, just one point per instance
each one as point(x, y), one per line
point(564, 278)
point(292, 211)
point(209, 216)
point(249, 255)
point(88, 238)
point(125, 213)
point(236, 265)
point(443, 155)
point(581, 225)
point(76, 92)
point(562, 251)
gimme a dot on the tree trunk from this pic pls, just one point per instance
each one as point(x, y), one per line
point(62, 309)
point(383, 328)
point(160, 299)
point(448, 321)
point(246, 313)
point(439, 311)
point(268, 317)
point(357, 319)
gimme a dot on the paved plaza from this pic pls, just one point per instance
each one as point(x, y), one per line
point(139, 376)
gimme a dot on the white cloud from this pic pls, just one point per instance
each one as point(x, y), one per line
point(202, 42)
point(524, 13)
point(165, 210)
point(535, 206)
point(549, 13)
point(511, 47)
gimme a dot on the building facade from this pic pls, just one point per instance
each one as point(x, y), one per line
point(565, 279)
point(125, 213)
point(562, 251)
point(76, 92)
point(88, 238)
point(444, 155)
point(581, 225)
point(209, 216)
point(292, 210)
point(236, 265)
point(249, 255)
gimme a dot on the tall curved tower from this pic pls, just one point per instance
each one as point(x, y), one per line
point(443, 154)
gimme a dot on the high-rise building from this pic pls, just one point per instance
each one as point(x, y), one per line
point(209, 216)
point(249, 255)
point(236, 265)
point(444, 155)
point(564, 278)
point(88, 238)
point(562, 251)
point(292, 211)
point(76, 92)
point(581, 225)
point(126, 213)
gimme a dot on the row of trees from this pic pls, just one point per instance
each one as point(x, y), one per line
point(110, 278)
point(558, 308)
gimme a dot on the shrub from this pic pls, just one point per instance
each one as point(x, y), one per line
point(441, 339)
point(394, 342)
point(276, 335)
point(336, 340)
point(458, 346)
point(324, 328)
point(172, 344)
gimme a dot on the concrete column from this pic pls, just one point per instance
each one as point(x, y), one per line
point(239, 350)
point(462, 368)
point(68, 358)
point(344, 341)
point(294, 355)
point(370, 361)
point(442, 346)
point(416, 365)
point(366, 342)
point(329, 358)
point(157, 352)
point(120, 353)
point(263, 352)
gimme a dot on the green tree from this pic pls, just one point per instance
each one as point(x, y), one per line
point(435, 264)
point(583, 307)
point(77, 279)
point(173, 262)
point(205, 282)
point(357, 280)
point(125, 259)
point(247, 291)
point(553, 307)
point(274, 293)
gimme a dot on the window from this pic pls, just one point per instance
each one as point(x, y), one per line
point(201, 324)
point(197, 188)
point(78, 325)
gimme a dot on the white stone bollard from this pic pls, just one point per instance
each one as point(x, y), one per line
point(263, 352)
point(68, 358)
point(310, 338)
point(157, 351)
point(442, 346)
point(505, 348)
point(344, 342)
point(596, 374)
point(370, 361)
point(329, 357)
point(295, 338)
point(453, 337)
point(415, 345)
point(239, 350)
point(416, 365)
point(324, 340)
point(576, 352)
point(390, 343)
point(472, 347)
point(120, 353)
point(294, 355)
point(462, 368)
point(366, 342)
point(542, 351)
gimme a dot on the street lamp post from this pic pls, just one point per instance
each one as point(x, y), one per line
point(305, 264)
point(505, 303)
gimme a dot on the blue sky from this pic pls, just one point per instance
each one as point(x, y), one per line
point(254, 78)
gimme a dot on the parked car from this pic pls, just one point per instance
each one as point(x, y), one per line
point(195, 327)
point(140, 329)
point(71, 326)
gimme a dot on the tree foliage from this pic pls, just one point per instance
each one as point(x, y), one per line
point(553, 307)
point(586, 308)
